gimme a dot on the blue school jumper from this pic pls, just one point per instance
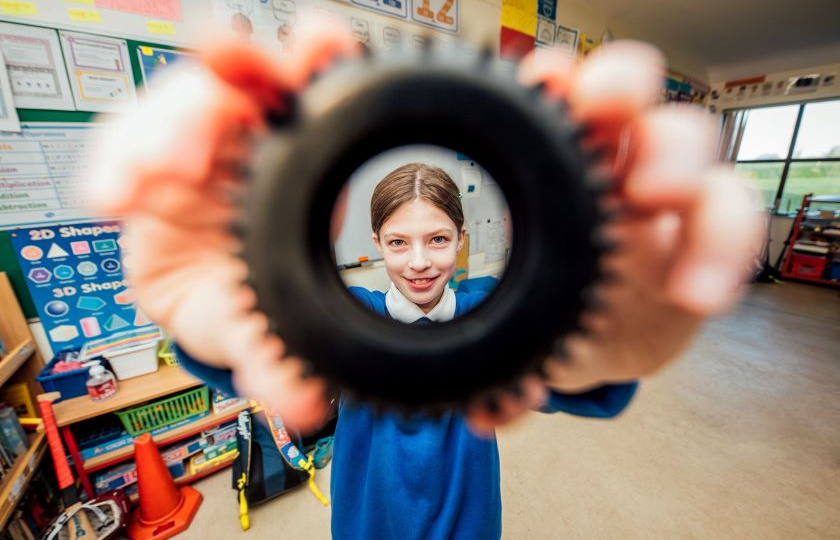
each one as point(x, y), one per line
point(423, 478)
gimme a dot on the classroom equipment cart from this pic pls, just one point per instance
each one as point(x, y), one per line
point(813, 250)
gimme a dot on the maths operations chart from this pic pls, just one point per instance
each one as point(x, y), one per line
point(39, 173)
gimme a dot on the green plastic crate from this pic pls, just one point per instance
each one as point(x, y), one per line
point(144, 418)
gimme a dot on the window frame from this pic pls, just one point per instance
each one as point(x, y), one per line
point(789, 159)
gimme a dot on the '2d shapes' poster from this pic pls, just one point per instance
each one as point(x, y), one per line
point(74, 274)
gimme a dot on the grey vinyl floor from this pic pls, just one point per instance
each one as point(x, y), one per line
point(739, 439)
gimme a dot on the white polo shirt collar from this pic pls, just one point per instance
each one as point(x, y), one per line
point(404, 310)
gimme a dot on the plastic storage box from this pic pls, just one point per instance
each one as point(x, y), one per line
point(808, 266)
point(134, 361)
point(70, 383)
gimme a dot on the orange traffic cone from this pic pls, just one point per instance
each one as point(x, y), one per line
point(165, 509)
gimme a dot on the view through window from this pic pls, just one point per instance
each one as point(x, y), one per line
point(792, 150)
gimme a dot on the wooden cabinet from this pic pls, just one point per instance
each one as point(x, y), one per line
point(21, 363)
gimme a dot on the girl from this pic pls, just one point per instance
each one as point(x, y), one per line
point(687, 238)
point(420, 478)
point(418, 228)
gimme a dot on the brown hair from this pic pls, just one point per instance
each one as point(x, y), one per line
point(411, 182)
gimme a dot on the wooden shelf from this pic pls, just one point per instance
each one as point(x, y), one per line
point(165, 381)
point(23, 362)
point(16, 481)
point(16, 357)
point(184, 431)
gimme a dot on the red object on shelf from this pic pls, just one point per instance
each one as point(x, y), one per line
point(798, 265)
point(807, 266)
point(165, 509)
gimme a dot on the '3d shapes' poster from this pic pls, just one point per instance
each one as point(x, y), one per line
point(74, 274)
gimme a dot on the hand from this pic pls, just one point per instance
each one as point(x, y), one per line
point(170, 168)
point(686, 232)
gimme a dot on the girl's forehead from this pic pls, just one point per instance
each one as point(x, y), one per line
point(417, 215)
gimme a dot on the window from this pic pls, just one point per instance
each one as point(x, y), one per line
point(792, 150)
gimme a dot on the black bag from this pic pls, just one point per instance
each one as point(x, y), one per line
point(260, 472)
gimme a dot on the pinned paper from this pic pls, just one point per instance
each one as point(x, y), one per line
point(161, 28)
point(84, 15)
point(146, 50)
point(102, 79)
point(18, 8)
point(470, 180)
point(9, 120)
point(520, 15)
point(34, 61)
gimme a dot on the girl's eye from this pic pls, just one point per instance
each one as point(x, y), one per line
point(439, 240)
point(397, 242)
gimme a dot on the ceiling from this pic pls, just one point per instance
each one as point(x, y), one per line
point(720, 33)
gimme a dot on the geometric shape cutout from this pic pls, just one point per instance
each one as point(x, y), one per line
point(140, 319)
point(104, 245)
point(56, 308)
point(125, 297)
point(110, 265)
point(80, 247)
point(56, 252)
point(90, 326)
point(32, 253)
point(87, 268)
point(63, 271)
point(115, 322)
point(91, 303)
point(65, 332)
point(39, 275)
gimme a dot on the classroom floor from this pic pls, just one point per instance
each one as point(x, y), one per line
point(739, 440)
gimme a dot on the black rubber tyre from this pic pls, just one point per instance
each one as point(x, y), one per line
point(526, 143)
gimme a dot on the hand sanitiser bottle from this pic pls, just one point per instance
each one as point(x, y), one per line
point(101, 384)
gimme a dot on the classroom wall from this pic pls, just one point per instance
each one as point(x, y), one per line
point(677, 60)
point(480, 25)
point(755, 96)
point(780, 227)
point(791, 61)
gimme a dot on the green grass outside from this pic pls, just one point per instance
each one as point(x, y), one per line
point(817, 178)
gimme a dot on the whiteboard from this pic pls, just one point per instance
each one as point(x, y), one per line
point(485, 205)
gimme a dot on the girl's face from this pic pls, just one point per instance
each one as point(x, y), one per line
point(419, 243)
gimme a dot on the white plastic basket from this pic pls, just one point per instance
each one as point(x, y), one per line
point(134, 361)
